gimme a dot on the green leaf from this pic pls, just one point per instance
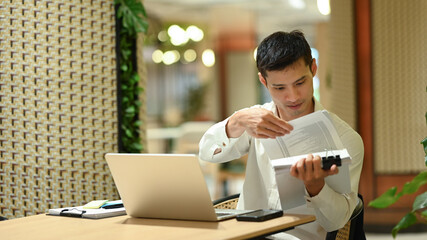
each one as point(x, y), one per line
point(408, 220)
point(424, 143)
point(386, 199)
point(420, 202)
point(137, 123)
point(130, 110)
point(128, 133)
point(137, 146)
point(135, 78)
point(424, 214)
point(415, 184)
point(133, 16)
point(126, 53)
point(119, 13)
point(124, 67)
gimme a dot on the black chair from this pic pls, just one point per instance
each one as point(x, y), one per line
point(228, 202)
point(353, 230)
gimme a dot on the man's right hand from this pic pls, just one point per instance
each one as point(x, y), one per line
point(257, 122)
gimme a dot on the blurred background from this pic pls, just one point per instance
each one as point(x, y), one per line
point(200, 61)
point(61, 106)
point(200, 66)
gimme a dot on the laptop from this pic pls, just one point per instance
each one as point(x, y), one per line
point(164, 186)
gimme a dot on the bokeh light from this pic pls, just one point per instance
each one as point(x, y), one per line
point(157, 56)
point(194, 33)
point(208, 58)
point(171, 57)
point(190, 55)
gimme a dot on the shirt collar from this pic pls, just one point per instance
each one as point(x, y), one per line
point(317, 107)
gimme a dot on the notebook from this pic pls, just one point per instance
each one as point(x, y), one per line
point(165, 186)
point(81, 212)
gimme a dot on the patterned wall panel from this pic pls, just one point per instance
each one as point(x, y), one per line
point(57, 104)
point(342, 61)
point(399, 73)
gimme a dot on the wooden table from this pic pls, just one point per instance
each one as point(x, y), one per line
point(125, 227)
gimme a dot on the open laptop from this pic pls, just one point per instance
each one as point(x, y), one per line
point(166, 186)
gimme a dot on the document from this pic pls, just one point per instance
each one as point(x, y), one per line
point(312, 134)
point(286, 163)
point(94, 213)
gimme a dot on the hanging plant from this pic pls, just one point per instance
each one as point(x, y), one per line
point(132, 19)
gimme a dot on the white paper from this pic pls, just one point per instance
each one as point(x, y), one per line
point(313, 133)
point(289, 161)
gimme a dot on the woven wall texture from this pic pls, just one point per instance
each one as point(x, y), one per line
point(399, 73)
point(58, 104)
point(342, 61)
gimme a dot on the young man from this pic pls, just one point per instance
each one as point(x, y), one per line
point(286, 68)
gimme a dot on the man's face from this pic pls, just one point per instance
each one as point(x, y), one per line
point(292, 89)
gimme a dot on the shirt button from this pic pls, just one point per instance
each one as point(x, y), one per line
point(223, 144)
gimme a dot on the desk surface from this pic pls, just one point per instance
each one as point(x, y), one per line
point(125, 227)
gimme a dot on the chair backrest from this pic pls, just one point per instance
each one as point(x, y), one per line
point(229, 202)
point(353, 230)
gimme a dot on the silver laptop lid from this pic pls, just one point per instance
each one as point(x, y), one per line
point(169, 186)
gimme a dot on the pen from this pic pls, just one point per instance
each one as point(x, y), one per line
point(113, 206)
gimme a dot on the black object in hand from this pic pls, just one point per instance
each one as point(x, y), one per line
point(327, 162)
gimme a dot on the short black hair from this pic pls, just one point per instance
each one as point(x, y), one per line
point(282, 49)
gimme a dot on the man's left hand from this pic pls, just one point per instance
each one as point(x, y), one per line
point(310, 171)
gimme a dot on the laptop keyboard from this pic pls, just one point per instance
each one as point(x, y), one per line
point(223, 214)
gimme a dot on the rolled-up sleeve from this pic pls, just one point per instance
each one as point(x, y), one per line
point(327, 205)
point(216, 140)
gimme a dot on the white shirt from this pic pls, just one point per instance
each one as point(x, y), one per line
point(332, 209)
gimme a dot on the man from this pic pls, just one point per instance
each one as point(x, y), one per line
point(286, 68)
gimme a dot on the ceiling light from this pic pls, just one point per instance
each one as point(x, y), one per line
point(255, 52)
point(324, 7)
point(298, 4)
